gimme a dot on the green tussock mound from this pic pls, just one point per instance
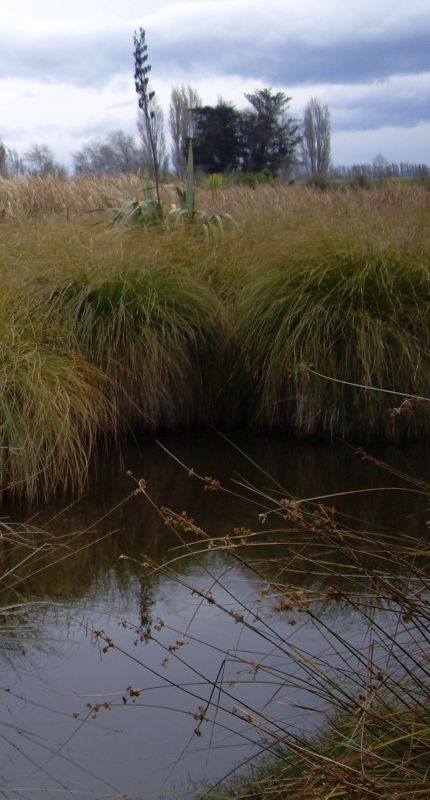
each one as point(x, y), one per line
point(353, 308)
point(112, 328)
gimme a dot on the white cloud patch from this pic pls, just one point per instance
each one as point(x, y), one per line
point(59, 113)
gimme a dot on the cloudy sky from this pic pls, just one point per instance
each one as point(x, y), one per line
point(66, 68)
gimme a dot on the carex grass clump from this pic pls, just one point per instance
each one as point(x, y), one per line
point(182, 330)
point(53, 404)
point(156, 333)
point(132, 303)
point(349, 303)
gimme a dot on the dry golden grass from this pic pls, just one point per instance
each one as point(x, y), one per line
point(24, 197)
point(32, 196)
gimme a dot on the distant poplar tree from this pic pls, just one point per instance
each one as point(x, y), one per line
point(182, 99)
point(11, 163)
point(158, 139)
point(316, 139)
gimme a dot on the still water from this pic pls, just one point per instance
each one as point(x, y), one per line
point(92, 706)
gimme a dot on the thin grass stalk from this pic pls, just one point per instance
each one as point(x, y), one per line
point(375, 744)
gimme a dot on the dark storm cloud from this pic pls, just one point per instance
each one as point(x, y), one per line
point(297, 63)
point(384, 110)
point(93, 59)
point(352, 62)
point(85, 60)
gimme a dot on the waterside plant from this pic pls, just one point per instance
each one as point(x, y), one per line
point(350, 306)
point(111, 328)
point(362, 593)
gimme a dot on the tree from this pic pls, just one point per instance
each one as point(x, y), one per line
point(11, 163)
point(380, 167)
point(315, 145)
point(264, 138)
point(158, 143)
point(3, 158)
point(147, 103)
point(41, 162)
point(126, 151)
point(269, 134)
point(182, 100)
point(217, 144)
point(116, 154)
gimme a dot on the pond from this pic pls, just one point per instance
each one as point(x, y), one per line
point(118, 680)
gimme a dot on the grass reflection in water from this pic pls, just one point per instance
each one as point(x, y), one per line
point(291, 631)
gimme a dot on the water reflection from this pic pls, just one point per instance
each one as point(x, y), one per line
point(105, 693)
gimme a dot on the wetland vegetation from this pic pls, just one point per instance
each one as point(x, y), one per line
point(108, 329)
point(290, 320)
point(209, 620)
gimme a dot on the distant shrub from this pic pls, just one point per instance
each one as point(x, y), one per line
point(254, 179)
point(215, 181)
point(361, 181)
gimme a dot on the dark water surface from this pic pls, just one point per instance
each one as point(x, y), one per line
point(53, 670)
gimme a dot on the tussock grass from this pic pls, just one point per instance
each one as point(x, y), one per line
point(179, 330)
point(102, 330)
point(31, 197)
point(153, 332)
point(133, 306)
point(348, 298)
point(52, 404)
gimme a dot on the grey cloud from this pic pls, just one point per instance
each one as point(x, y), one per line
point(94, 59)
point(84, 60)
point(382, 111)
point(12, 132)
point(357, 62)
point(99, 130)
point(292, 63)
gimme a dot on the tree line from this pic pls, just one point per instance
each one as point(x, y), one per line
point(379, 168)
point(261, 138)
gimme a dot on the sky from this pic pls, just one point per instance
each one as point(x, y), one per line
point(66, 68)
